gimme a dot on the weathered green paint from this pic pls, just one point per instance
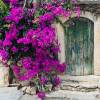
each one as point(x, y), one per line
point(79, 47)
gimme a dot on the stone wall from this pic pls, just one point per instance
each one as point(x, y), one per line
point(97, 47)
point(4, 74)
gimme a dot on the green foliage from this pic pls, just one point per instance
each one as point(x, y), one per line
point(35, 25)
point(2, 6)
point(39, 12)
point(4, 10)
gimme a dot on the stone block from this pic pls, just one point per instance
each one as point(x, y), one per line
point(4, 75)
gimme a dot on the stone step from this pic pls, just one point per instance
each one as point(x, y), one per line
point(56, 95)
point(56, 98)
point(88, 78)
point(73, 95)
point(80, 83)
point(81, 86)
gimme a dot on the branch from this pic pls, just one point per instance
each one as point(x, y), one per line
point(24, 3)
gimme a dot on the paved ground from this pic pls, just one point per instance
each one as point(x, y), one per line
point(11, 93)
point(75, 95)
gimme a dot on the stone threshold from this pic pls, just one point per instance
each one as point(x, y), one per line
point(83, 87)
point(87, 78)
point(80, 83)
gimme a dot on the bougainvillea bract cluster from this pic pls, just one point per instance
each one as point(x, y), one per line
point(29, 43)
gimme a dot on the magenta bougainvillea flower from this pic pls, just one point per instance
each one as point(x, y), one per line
point(57, 81)
point(7, 43)
point(4, 54)
point(16, 14)
point(30, 41)
point(14, 49)
point(24, 41)
point(25, 49)
point(47, 17)
point(41, 95)
point(27, 62)
point(13, 1)
point(44, 80)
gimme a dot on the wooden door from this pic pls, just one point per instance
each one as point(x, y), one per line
point(79, 46)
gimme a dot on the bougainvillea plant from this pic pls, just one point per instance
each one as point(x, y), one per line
point(29, 43)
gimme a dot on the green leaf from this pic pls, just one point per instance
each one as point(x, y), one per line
point(35, 25)
point(46, 89)
point(67, 5)
point(1, 36)
point(2, 6)
point(39, 12)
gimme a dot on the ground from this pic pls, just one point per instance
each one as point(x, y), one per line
point(11, 93)
point(72, 88)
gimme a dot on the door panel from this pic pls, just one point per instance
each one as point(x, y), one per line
point(79, 47)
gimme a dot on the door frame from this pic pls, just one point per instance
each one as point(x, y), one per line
point(60, 35)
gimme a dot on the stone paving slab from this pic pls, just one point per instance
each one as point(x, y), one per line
point(75, 95)
point(79, 86)
point(11, 93)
